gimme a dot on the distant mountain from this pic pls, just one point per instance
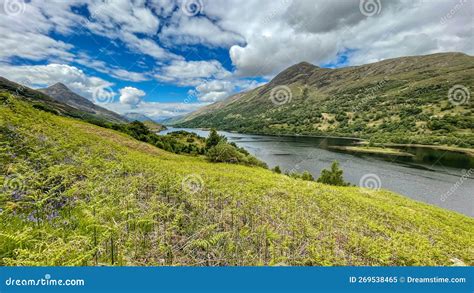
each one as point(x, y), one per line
point(418, 99)
point(133, 116)
point(172, 120)
point(40, 100)
point(154, 126)
point(63, 94)
point(150, 123)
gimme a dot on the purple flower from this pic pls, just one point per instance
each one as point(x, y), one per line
point(31, 217)
point(52, 215)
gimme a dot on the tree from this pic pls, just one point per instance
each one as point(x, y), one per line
point(277, 169)
point(307, 176)
point(213, 139)
point(333, 176)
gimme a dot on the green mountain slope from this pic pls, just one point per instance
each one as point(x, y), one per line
point(78, 194)
point(402, 100)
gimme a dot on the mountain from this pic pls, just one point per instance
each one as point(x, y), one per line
point(417, 99)
point(132, 116)
point(38, 99)
point(75, 194)
point(63, 94)
point(150, 123)
point(154, 126)
point(172, 120)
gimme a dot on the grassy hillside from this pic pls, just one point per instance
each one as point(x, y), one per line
point(401, 100)
point(78, 194)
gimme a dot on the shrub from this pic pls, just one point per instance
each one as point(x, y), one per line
point(227, 153)
point(213, 139)
point(307, 176)
point(333, 176)
point(224, 152)
point(303, 176)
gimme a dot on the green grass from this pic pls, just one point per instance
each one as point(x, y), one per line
point(78, 194)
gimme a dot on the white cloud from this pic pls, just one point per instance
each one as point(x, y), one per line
point(280, 33)
point(31, 46)
point(148, 47)
point(157, 110)
point(26, 34)
point(211, 80)
point(124, 20)
point(216, 90)
point(39, 76)
point(197, 30)
point(191, 73)
point(124, 15)
point(131, 96)
point(111, 70)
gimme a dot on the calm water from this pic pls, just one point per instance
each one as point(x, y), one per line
point(434, 177)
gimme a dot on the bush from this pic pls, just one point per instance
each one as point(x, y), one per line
point(227, 153)
point(277, 169)
point(307, 176)
point(213, 139)
point(303, 176)
point(333, 176)
point(224, 152)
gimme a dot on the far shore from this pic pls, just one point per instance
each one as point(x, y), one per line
point(372, 150)
point(363, 142)
point(466, 151)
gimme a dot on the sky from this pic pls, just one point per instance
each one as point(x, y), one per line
point(165, 58)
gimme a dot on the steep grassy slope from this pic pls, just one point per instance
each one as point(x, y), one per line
point(77, 194)
point(403, 100)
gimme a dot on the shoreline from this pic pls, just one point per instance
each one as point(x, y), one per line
point(465, 151)
point(361, 141)
point(372, 151)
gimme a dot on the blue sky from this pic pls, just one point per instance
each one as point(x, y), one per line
point(165, 58)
